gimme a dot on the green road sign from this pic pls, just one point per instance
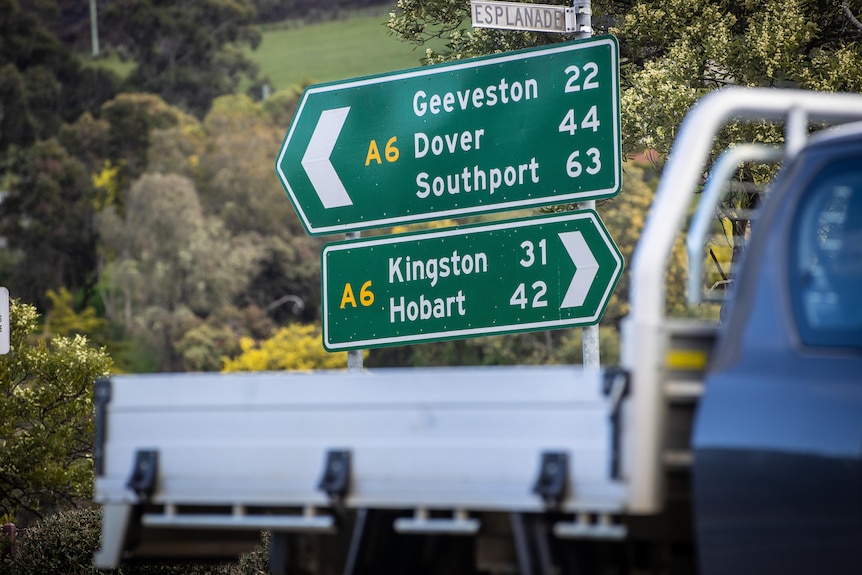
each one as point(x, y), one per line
point(519, 275)
point(504, 132)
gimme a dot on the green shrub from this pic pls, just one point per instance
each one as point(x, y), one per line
point(64, 544)
point(255, 562)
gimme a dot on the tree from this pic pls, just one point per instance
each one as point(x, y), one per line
point(41, 83)
point(225, 156)
point(278, 10)
point(186, 51)
point(87, 139)
point(53, 195)
point(168, 263)
point(238, 182)
point(62, 319)
point(132, 119)
point(678, 50)
point(202, 348)
point(287, 283)
point(624, 217)
point(16, 125)
point(46, 417)
point(47, 220)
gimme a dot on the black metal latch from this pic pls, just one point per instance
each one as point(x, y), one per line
point(144, 473)
point(335, 481)
point(553, 479)
point(616, 387)
point(101, 399)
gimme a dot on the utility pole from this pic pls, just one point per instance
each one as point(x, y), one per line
point(94, 28)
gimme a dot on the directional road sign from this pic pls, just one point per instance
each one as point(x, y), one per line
point(512, 276)
point(504, 132)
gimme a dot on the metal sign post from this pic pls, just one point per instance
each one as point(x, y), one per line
point(590, 336)
point(576, 20)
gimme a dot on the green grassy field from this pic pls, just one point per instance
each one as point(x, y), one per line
point(293, 54)
point(296, 55)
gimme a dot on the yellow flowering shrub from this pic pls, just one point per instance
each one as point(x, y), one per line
point(293, 347)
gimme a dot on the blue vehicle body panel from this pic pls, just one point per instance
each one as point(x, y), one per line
point(778, 435)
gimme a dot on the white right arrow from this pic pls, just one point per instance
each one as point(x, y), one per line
point(316, 161)
point(586, 268)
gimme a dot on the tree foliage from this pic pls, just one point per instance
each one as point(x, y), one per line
point(530, 348)
point(186, 51)
point(41, 84)
point(62, 319)
point(190, 204)
point(131, 121)
point(66, 542)
point(202, 347)
point(236, 167)
point(678, 50)
point(56, 187)
point(168, 263)
point(224, 155)
point(46, 416)
point(294, 347)
point(624, 217)
point(47, 220)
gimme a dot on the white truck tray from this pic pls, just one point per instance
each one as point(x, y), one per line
point(267, 450)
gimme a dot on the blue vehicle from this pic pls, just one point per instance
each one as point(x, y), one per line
point(778, 461)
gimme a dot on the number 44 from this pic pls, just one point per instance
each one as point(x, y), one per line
point(570, 125)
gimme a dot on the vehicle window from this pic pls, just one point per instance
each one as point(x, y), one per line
point(826, 260)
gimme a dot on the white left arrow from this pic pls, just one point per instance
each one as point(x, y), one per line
point(317, 164)
point(586, 268)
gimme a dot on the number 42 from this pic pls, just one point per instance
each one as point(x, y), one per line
point(519, 298)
